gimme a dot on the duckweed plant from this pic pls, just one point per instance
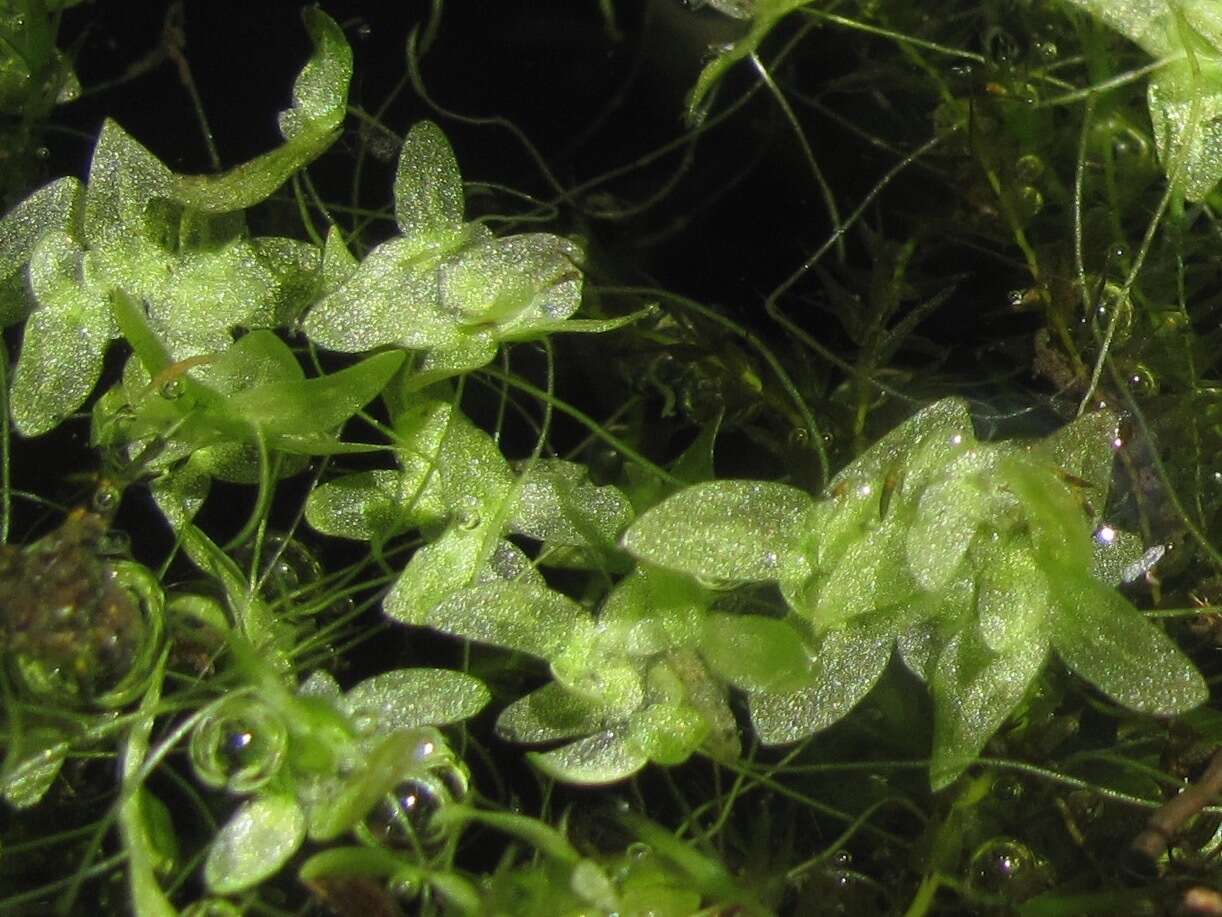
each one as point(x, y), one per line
point(472, 570)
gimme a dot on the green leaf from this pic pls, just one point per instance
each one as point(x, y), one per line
point(755, 653)
point(1058, 528)
point(597, 759)
point(205, 294)
point(34, 764)
point(406, 698)
point(846, 663)
point(592, 666)
point(123, 178)
point(459, 558)
point(349, 862)
point(320, 92)
point(513, 283)
point(383, 768)
point(766, 14)
point(557, 504)
point(974, 690)
point(549, 713)
point(1086, 449)
point(449, 465)
point(428, 185)
point(667, 733)
point(1014, 600)
point(1107, 641)
point(54, 206)
point(254, 844)
point(723, 530)
point(318, 405)
point(1184, 96)
point(320, 97)
point(64, 339)
point(519, 616)
point(366, 506)
point(392, 298)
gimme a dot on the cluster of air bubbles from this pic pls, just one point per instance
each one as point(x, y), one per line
point(239, 745)
point(432, 779)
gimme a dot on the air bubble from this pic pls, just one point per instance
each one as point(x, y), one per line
point(1032, 200)
point(1114, 302)
point(1028, 168)
point(1006, 868)
point(240, 746)
point(1142, 381)
point(173, 389)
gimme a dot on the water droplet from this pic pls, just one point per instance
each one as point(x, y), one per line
point(1028, 168)
point(799, 438)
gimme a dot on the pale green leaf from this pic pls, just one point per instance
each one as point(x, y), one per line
point(383, 768)
point(846, 663)
point(320, 92)
point(547, 714)
point(392, 298)
point(36, 762)
point(722, 530)
point(597, 759)
point(513, 283)
point(254, 844)
point(557, 504)
point(64, 339)
point(974, 690)
point(667, 733)
point(1014, 601)
point(428, 186)
point(314, 405)
point(526, 617)
point(755, 653)
point(1103, 638)
point(53, 206)
point(366, 506)
point(123, 178)
point(406, 698)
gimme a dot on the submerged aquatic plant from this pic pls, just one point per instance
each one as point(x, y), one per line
point(810, 594)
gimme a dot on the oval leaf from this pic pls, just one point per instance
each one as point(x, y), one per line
point(405, 698)
point(722, 530)
point(254, 844)
point(1107, 641)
